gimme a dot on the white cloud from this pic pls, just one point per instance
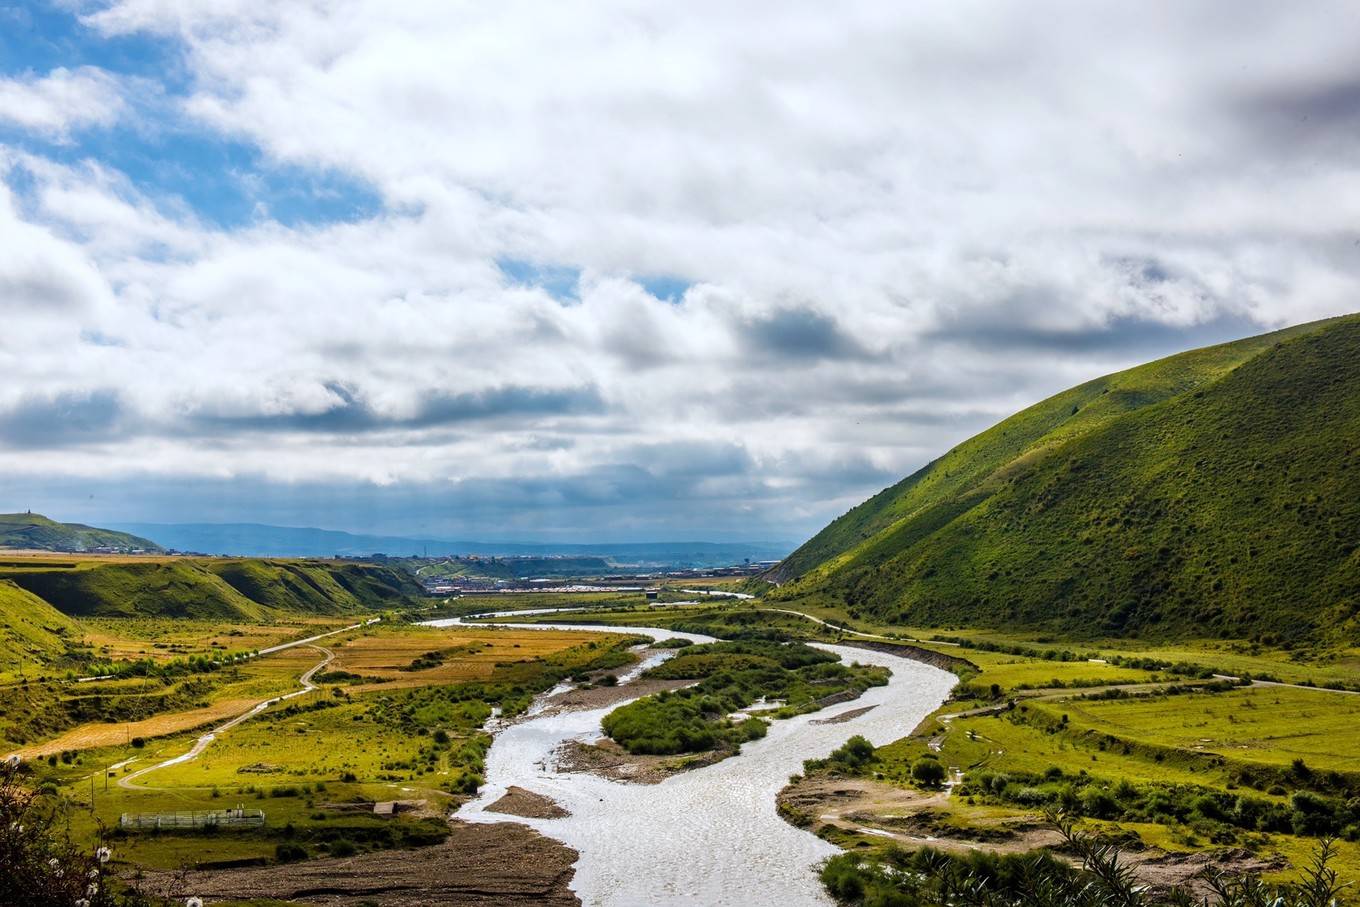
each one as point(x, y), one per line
point(874, 208)
point(64, 99)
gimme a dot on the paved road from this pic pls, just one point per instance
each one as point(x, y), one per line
point(203, 742)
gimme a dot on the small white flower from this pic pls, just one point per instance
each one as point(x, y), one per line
point(82, 903)
point(54, 862)
point(103, 854)
point(92, 874)
point(12, 760)
point(92, 889)
point(193, 902)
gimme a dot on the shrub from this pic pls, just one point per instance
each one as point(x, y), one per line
point(928, 771)
point(41, 865)
point(289, 852)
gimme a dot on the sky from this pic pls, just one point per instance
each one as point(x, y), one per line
point(623, 270)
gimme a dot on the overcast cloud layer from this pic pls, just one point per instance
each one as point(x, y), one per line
point(627, 270)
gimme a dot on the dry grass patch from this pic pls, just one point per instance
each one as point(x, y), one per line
point(240, 689)
point(90, 736)
point(397, 658)
point(164, 639)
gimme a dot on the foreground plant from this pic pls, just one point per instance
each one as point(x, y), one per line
point(39, 864)
point(929, 878)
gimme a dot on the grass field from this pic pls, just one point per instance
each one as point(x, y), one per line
point(221, 695)
point(389, 721)
point(1177, 746)
point(1271, 725)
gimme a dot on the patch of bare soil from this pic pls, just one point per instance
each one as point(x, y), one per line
point(609, 760)
point(478, 865)
point(844, 716)
point(599, 697)
point(909, 817)
point(527, 804)
point(1162, 870)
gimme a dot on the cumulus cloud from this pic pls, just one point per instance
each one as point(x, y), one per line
point(736, 263)
point(60, 101)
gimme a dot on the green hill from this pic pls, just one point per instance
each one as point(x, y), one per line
point(36, 532)
point(31, 630)
point(245, 589)
point(1216, 492)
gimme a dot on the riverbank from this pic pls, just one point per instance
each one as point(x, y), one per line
point(479, 865)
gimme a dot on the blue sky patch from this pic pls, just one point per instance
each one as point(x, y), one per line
point(39, 37)
point(559, 281)
point(664, 287)
point(172, 160)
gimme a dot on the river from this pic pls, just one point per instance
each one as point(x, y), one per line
point(709, 836)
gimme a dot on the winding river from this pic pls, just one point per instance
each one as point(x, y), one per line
point(709, 836)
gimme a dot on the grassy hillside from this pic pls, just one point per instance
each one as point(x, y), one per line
point(31, 630)
point(1212, 493)
point(246, 590)
point(36, 532)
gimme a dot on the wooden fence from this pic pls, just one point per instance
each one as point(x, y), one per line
point(217, 818)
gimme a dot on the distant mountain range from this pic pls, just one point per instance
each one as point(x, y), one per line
point(1215, 493)
point(36, 532)
point(258, 540)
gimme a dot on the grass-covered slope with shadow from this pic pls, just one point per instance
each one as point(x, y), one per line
point(240, 589)
point(1215, 493)
point(31, 630)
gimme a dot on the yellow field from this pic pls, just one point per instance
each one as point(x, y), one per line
point(468, 654)
point(163, 639)
point(90, 736)
point(257, 680)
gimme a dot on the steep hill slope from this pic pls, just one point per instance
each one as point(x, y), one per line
point(36, 532)
point(1212, 493)
point(247, 590)
point(31, 630)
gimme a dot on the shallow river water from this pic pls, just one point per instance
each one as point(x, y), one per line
point(707, 836)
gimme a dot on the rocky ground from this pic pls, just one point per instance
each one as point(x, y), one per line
point(527, 804)
point(501, 864)
point(599, 697)
point(609, 760)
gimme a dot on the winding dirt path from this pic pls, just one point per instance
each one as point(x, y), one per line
point(202, 743)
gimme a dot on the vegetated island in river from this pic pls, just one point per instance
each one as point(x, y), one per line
point(734, 688)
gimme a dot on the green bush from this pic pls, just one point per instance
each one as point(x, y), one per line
point(732, 675)
point(289, 852)
point(928, 771)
